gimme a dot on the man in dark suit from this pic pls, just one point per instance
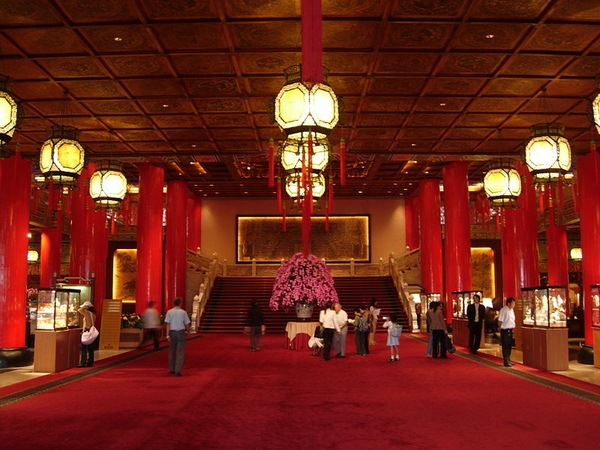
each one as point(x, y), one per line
point(476, 316)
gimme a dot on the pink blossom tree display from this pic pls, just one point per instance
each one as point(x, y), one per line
point(305, 280)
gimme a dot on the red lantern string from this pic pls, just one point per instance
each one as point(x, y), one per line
point(326, 216)
point(575, 193)
point(312, 45)
point(283, 222)
point(309, 182)
point(126, 213)
point(112, 223)
point(561, 194)
point(342, 162)
point(271, 162)
point(330, 192)
point(279, 194)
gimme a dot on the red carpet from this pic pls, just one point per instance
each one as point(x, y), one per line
point(230, 398)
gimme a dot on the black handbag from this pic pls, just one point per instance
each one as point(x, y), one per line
point(319, 332)
point(449, 345)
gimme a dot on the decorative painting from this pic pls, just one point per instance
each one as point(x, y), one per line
point(482, 266)
point(264, 239)
point(124, 269)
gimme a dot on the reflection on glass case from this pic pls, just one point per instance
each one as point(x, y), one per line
point(545, 306)
point(460, 301)
point(57, 309)
point(595, 293)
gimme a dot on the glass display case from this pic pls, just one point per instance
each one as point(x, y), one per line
point(595, 293)
point(460, 301)
point(545, 307)
point(57, 309)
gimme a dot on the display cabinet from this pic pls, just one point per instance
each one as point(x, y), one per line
point(595, 293)
point(57, 309)
point(545, 307)
point(460, 301)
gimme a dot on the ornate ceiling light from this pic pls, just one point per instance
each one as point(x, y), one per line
point(295, 189)
point(62, 156)
point(502, 185)
point(576, 254)
point(296, 154)
point(108, 186)
point(10, 111)
point(548, 153)
point(302, 106)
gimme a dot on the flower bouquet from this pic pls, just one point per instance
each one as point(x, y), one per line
point(302, 280)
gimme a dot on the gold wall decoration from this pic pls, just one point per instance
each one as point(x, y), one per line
point(124, 270)
point(262, 238)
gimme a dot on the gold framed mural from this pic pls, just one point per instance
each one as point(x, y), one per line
point(124, 271)
point(263, 238)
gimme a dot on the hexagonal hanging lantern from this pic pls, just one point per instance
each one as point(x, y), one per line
point(108, 186)
point(301, 107)
point(294, 189)
point(62, 156)
point(10, 110)
point(548, 153)
point(294, 151)
point(502, 185)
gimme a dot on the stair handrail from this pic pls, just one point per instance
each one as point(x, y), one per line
point(396, 264)
point(211, 268)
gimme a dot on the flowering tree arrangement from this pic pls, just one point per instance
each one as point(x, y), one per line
point(305, 280)
point(131, 321)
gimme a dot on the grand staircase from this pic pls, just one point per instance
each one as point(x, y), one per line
point(230, 299)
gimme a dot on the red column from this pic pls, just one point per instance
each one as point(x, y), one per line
point(458, 231)
point(194, 222)
point(588, 182)
point(15, 185)
point(411, 221)
point(175, 242)
point(99, 240)
point(556, 249)
point(149, 238)
point(431, 236)
point(50, 249)
point(528, 230)
point(512, 253)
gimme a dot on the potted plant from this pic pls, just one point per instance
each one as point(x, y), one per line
point(132, 331)
point(302, 282)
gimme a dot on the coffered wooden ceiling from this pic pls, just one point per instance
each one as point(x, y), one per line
point(179, 82)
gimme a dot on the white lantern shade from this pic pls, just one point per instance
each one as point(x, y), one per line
point(62, 157)
point(293, 151)
point(576, 254)
point(108, 187)
point(548, 153)
point(596, 111)
point(294, 189)
point(32, 256)
point(502, 185)
point(9, 111)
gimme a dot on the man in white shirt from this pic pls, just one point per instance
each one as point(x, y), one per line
point(339, 339)
point(178, 325)
point(327, 319)
point(506, 322)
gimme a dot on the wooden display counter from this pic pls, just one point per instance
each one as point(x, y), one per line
point(596, 334)
point(56, 350)
point(546, 348)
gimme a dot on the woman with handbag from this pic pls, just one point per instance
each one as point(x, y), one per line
point(439, 331)
point(89, 334)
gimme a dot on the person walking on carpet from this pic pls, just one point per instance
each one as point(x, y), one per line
point(178, 325)
point(393, 340)
point(256, 323)
point(339, 339)
point(438, 328)
point(507, 323)
point(476, 315)
point(152, 323)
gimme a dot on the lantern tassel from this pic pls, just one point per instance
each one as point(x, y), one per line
point(279, 200)
point(326, 216)
point(342, 162)
point(271, 162)
point(283, 222)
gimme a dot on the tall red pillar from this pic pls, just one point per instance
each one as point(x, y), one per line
point(149, 238)
point(512, 253)
point(175, 242)
point(194, 223)
point(411, 219)
point(50, 250)
point(15, 185)
point(431, 236)
point(588, 182)
point(458, 231)
point(528, 229)
point(556, 249)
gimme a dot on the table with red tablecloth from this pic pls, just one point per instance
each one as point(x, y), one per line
point(297, 334)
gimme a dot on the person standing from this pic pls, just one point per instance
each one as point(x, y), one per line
point(339, 340)
point(87, 350)
point(476, 316)
point(374, 311)
point(152, 323)
point(178, 325)
point(393, 341)
point(256, 323)
point(507, 323)
point(438, 328)
point(327, 319)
